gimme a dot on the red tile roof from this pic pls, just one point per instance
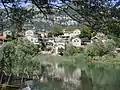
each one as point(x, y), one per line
point(2, 38)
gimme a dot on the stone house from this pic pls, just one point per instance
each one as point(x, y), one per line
point(95, 39)
point(54, 47)
point(76, 41)
point(5, 33)
point(42, 34)
point(67, 35)
point(98, 37)
point(32, 39)
point(29, 33)
point(76, 32)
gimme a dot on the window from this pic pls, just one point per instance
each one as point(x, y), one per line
point(31, 39)
point(76, 40)
point(36, 40)
point(8, 32)
point(67, 36)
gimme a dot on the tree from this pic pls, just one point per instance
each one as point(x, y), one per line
point(71, 50)
point(101, 48)
point(114, 28)
point(16, 56)
point(85, 32)
point(7, 56)
point(109, 47)
point(18, 17)
point(95, 49)
point(57, 30)
point(4, 22)
point(95, 14)
point(50, 34)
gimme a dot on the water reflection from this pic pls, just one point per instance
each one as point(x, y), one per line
point(53, 85)
point(86, 83)
point(27, 88)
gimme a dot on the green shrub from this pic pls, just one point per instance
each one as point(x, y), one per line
point(116, 39)
point(85, 32)
point(101, 48)
point(95, 49)
point(109, 46)
point(71, 50)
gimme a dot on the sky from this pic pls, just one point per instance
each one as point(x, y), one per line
point(24, 3)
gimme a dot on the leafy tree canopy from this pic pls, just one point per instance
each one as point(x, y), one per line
point(16, 56)
point(57, 30)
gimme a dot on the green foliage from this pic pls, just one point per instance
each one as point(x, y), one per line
point(116, 39)
point(85, 32)
point(101, 48)
point(27, 47)
point(3, 20)
point(18, 16)
point(109, 46)
point(113, 27)
point(71, 50)
point(96, 14)
point(7, 56)
point(50, 34)
point(57, 30)
point(16, 56)
point(95, 49)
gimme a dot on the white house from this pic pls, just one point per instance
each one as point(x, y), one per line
point(43, 34)
point(98, 37)
point(76, 42)
point(32, 39)
point(68, 34)
point(52, 40)
point(95, 39)
point(5, 33)
point(76, 32)
point(29, 33)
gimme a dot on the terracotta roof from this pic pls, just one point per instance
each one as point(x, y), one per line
point(2, 38)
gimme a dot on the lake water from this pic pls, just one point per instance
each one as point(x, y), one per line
point(51, 85)
point(58, 85)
